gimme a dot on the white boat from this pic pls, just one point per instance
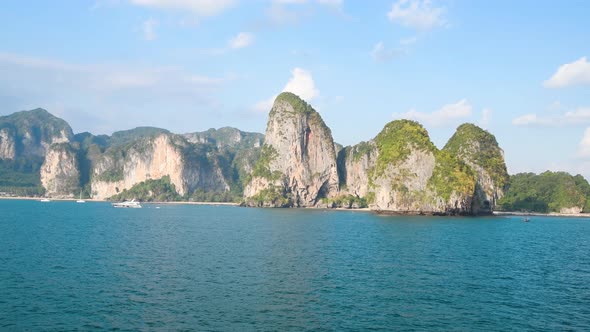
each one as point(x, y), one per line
point(45, 200)
point(127, 204)
point(80, 200)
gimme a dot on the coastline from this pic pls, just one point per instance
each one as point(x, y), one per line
point(536, 214)
point(18, 198)
point(390, 213)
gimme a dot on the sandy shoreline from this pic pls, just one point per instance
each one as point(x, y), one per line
point(496, 213)
point(534, 214)
point(105, 201)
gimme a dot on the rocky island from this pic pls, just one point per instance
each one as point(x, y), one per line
point(296, 163)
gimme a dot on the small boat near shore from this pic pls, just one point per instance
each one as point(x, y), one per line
point(133, 204)
point(45, 200)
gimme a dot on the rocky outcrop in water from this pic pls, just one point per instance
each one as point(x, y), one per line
point(480, 150)
point(401, 171)
point(297, 166)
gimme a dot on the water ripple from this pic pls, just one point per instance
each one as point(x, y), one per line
point(64, 266)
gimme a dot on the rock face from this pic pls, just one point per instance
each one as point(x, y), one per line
point(297, 166)
point(7, 144)
point(30, 133)
point(480, 150)
point(25, 138)
point(294, 165)
point(153, 158)
point(60, 174)
point(401, 171)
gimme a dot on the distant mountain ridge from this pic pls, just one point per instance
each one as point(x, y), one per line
point(295, 164)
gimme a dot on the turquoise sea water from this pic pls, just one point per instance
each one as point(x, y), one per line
point(68, 266)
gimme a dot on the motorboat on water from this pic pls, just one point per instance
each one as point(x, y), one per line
point(80, 200)
point(127, 204)
point(45, 200)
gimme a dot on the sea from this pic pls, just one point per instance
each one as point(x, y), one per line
point(66, 266)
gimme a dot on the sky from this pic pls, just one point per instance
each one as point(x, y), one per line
point(520, 69)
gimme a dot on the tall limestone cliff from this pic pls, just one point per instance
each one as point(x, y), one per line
point(297, 166)
point(30, 133)
point(122, 167)
point(60, 174)
point(401, 171)
point(25, 138)
point(480, 150)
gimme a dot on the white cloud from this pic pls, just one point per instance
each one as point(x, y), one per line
point(198, 7)
point(525, 120)
point(243, 39)
point(584, 145)
point(446, 115)
point(577, 117)
point(575, 73)
point(148, 28)
point(301, 83)
point(382, 54)
point(417, 14)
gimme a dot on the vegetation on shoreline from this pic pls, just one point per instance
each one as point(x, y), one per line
point(546, 192)
point(159, 190)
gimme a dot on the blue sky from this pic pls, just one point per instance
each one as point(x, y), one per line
point(517, 68)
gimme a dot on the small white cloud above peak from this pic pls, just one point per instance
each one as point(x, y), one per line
point(198, 7)
point(447, 115)
point(243, 39)
point(575, 73)
point(148, 28)
point(301, 83)
point(417, 14)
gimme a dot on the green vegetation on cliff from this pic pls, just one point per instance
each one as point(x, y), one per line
point(478, 146)
point(299, 105)
point(160, 190)
point(396, 141)
point(262, 167)
point(451, 175)
point(546, 192)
